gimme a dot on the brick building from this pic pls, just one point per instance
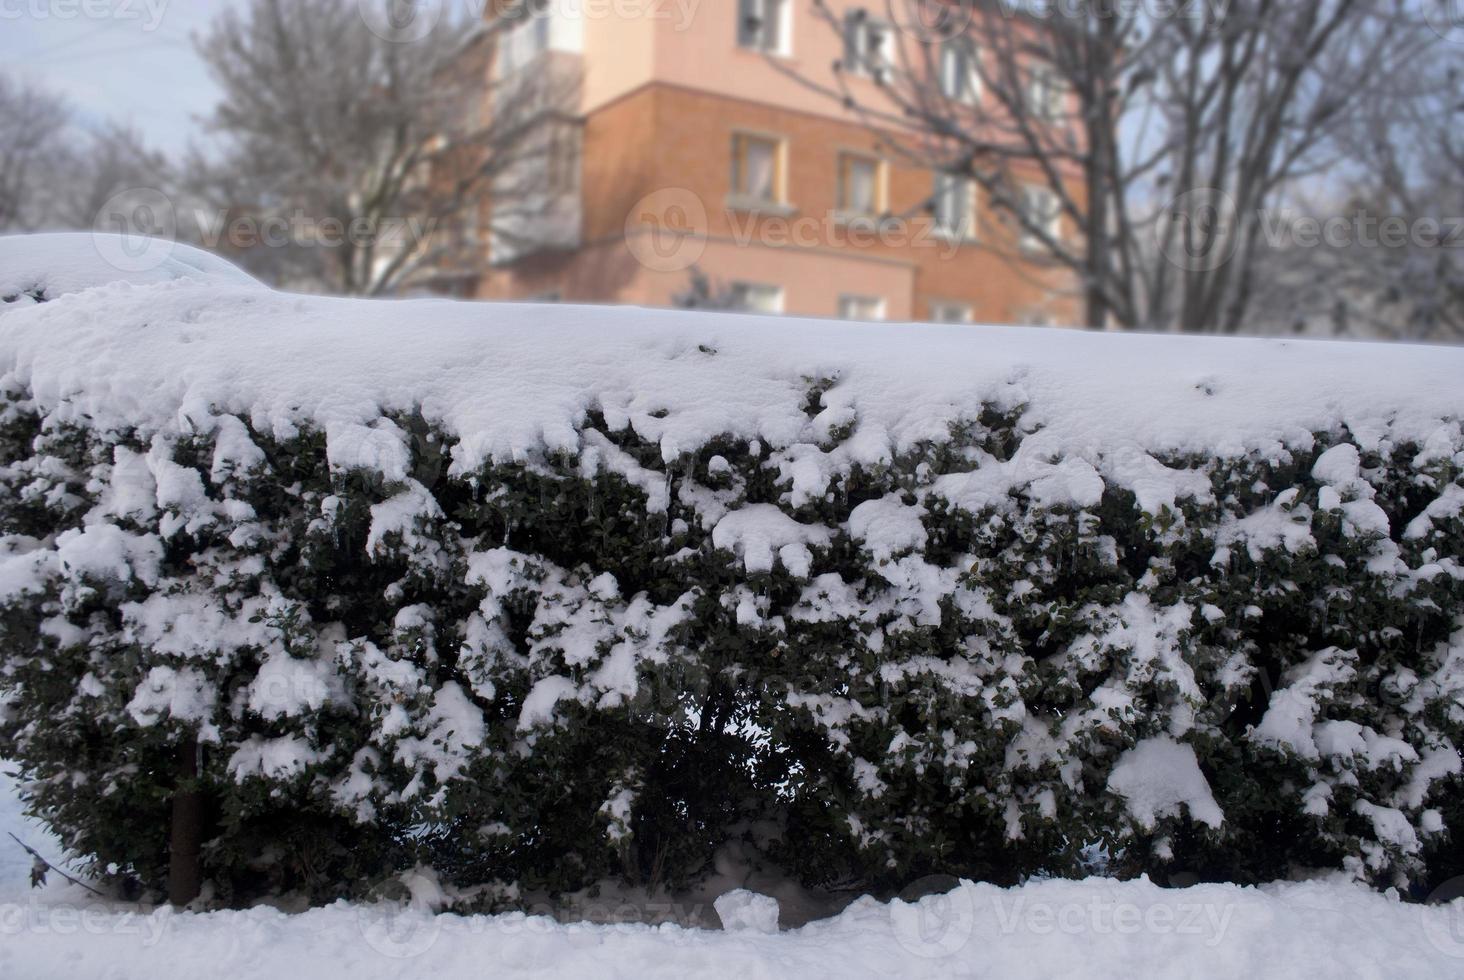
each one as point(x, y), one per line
point(695, 147)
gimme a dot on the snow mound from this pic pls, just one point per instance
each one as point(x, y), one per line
point(192, 340)
point(1158, 777)
point(58, 264)
point(745, 911)
point(1095, 929)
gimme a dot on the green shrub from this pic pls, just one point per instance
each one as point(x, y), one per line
point(608, 665)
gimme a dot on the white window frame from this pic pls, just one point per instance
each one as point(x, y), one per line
point(941, 310)
point(861, 32)
point(739, 198)
point(960, 74)
point(1046, 92)
point(740, 291)
point(1048, 214)
point(876, 303)
point(752, 18)
point(948, 186)
point(841, 183)
point(563, 157)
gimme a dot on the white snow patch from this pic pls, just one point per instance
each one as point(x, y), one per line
point(745, 911)
point(512, 382)
point(1158, 777)
point(756, 531)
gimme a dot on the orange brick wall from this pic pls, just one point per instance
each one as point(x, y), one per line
point(663, 136)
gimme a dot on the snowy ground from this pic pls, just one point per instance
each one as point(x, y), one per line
point(1091, 929)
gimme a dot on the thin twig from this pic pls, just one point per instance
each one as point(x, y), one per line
point(51, 867)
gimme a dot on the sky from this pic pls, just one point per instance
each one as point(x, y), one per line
point(129, 60)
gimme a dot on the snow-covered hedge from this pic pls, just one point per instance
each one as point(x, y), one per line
point(544, 595)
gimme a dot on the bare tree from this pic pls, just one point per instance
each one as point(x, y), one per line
point(1388, 259)
point(100, 165)
point(1415, 288)
point(1135, 146)
point(373, 157)
point(33, 148)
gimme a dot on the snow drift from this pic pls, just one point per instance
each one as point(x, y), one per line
point(544, 596)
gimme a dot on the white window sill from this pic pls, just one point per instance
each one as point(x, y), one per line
point(781, 55)
point(757, 205)
point(1034, 248)
point(871, 218)
point(956, 237)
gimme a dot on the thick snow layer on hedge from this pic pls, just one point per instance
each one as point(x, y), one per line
point(52, 265)
point(1093, 929)
point(173, 350)
point(1160, 775)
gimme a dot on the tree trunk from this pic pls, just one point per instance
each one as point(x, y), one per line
point(1099, 120)
point(185, 868)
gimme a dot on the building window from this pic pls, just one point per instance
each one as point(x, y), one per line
point(941, 312)
point(765, 25)
point(867, 43)
point(861, 308)
point(861, 182)
point(955, 206)
point(960, 76)
point(521, 43)
point(1041, 217)
point(562, 158)
point(757, 170)
point(1045, 92)
point(753, 297)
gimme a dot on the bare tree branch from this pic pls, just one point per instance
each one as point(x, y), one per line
point(1164, 140)
point(389, 149)
point(33, 148)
